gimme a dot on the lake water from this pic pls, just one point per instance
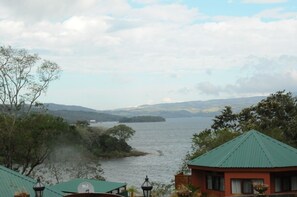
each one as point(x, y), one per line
point(166, 142)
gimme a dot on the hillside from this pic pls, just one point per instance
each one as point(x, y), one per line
point(74, 116)
point(167, 110)
point(188, 109)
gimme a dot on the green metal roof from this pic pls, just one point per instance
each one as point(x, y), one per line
point(249, 150)
point(99, 186)
point(11, 182)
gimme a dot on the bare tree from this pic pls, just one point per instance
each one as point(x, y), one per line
point(24, 77)
point(22, 80)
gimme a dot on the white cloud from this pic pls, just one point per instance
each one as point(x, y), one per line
point(269, 75)
point(263, 1)
point(103, 37)
point(167, 100)
point(276, 13)
point(58, 11)
point(208, 88)
point(145, 1)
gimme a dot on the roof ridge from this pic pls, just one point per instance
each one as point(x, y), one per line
point(262, 153)
point(282, 144)
point(214, 149)
point(244, 138)
point(26, 178)
point(10, 171)
point(264, 149)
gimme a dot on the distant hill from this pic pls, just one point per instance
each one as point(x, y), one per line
point(72, 113)
point(57, 107)
point(188, 109)
point(74, 116)
point(208, 108)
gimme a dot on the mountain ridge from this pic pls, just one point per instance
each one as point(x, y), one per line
point(209, 108)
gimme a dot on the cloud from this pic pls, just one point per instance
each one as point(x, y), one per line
point(208, 88)
point(276, 13)
point(264, 84)
point(145, 1)
point(167, 100)
point(155, 39)
point(263, 1)
point(269, 75)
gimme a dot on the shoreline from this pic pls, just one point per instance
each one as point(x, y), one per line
point(119, 155)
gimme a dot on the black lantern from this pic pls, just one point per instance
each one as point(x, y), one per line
point(38, 188)
point(146, 187)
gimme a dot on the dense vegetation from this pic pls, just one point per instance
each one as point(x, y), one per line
point(143, 119)
point(28, 137)
point(111, 142)
point(275, 116)
point(74, 116)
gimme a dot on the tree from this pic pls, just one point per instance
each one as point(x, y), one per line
point(132, 190)
point(275, 116)
point(227, 120)
point(161, 189)
point(31, 142)
point(67, 163)
point(100, 142)
point(22, 81)
point(121, 132)
point(24, 77)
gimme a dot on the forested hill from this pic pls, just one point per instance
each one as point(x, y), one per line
point(188, 109)
point(74, 116)
point(167, 110)
point(143, 119)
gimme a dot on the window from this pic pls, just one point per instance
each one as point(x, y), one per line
point(277, 183)
point(244, 186)
point(294, 183)
point(247, 187)
point(215, 182)
point(236, 186)
point(285, 183)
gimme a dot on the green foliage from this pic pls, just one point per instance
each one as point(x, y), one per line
point(210, 139)
point(103, 143)
point(25, 138)
point(161, 189)
point(68, 162)
point(22, 80)
point(132, 191)
point(121, 132)
point(227, 120)
point(82, 123)
point(275, 116)
point(72, 116)
point(143, 119)
point(30, 137)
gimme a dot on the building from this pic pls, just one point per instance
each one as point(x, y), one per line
point(12, 182)
point(71, 187)
point(232, 168)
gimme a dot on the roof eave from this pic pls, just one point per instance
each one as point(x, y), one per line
point(242, 169)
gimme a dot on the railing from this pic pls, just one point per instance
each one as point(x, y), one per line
point(269, 195)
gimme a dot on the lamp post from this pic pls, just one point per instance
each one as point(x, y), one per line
point(38, 188)
point(146, 187)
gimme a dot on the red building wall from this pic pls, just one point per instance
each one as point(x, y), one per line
point(245, 175)
point(199, 180)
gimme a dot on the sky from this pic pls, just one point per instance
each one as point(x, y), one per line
point(126, 53)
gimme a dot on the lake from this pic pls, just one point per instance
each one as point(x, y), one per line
point(166, 142)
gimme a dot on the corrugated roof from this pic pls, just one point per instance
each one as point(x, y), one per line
point(250, 150)
point(99, 186)
point(11, 182)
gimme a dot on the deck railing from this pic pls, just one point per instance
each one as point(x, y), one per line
point(269, 195)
